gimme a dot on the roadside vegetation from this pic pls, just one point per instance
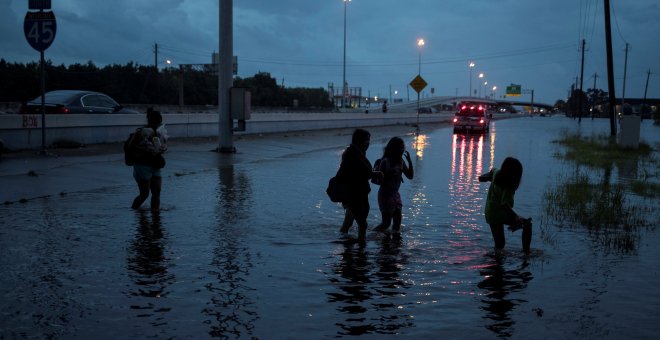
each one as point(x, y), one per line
point(614, 211)
point(144, 84)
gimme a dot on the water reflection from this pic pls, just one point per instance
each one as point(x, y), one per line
point(466, 197)
point(420, 142)
point(231, 307)
point(147, 261)
point(498, 284)
point(369, 292)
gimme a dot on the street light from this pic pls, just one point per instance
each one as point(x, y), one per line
point(343, 83)
point(485, 84)
point(471, 67)
point(494, 89)
point(481, 75)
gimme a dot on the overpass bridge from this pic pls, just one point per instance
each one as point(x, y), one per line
point(448, 103)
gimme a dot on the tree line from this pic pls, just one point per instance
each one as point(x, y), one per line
point(139, 84)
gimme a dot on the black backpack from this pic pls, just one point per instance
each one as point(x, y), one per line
point(129, 153)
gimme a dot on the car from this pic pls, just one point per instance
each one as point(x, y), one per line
point(472, 117)
point(426, 110)
point(74, 101)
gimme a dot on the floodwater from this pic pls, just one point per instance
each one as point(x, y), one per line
point(252, 250)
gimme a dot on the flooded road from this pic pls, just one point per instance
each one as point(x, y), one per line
point(252, 250)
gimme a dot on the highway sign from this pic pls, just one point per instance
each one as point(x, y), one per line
point(418, 84)
point(513, 90)
point(40, 29)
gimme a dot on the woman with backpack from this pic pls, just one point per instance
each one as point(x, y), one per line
point(147, 146)
point(393, 168)
point(356, 171)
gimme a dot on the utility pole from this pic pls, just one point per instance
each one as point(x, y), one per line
point(593, 100)
point(610, 68)
point(581, 81)
point(648, 75)
point(225, 121)
point(623, 92)
point(156, 56)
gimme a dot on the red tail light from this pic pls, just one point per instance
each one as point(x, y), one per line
point(455, 120)
point(481, 121)
point(60, 110)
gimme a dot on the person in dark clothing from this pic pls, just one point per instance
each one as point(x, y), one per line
point(149, 143)
point(499, 203)
point(356, 171)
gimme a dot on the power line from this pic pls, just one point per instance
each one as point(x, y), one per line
point(616, 21)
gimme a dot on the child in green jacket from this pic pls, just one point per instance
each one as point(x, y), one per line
point(499, 203)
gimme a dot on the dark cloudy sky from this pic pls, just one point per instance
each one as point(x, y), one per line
point(300, 42)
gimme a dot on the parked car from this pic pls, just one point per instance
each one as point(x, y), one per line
point(472, 117)
point(74, 101)
point(426, 110)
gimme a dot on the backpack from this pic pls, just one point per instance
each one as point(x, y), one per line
point(377, 180)
point(129, 153)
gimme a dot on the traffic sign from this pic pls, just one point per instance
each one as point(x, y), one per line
point(39, 4)
point(513, 90)
point(40, 29)
point(418, 84)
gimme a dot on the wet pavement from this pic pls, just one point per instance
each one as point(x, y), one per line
point(247, 246)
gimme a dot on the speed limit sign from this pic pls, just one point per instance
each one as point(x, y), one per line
point(40, 28)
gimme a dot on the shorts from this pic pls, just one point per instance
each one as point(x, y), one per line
point(145, 172)
point(389, 202)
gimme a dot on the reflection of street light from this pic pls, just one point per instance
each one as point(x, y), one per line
point(471, 67)
point(343, 83)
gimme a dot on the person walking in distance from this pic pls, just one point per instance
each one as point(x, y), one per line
point(499, 203)
point(148, 144)
point(393, 168)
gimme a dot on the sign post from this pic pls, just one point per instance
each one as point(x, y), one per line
point(40, 28)
point(418, 84)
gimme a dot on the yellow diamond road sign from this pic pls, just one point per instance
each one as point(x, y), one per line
point(418, 84)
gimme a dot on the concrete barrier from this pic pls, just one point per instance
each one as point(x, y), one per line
point(24, 131)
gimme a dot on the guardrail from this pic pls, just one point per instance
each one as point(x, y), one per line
point(24, 131)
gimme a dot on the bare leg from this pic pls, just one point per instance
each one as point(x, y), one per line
point(156, 183)
point(498, 235)
point(348, 221)
point(526, 238)
point(386, 221)
point(144, 194)
point(396, 227)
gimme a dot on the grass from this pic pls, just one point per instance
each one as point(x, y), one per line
point(608, 211)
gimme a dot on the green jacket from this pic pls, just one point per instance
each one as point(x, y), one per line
point(499, 203)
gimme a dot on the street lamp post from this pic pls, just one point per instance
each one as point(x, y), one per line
point(471, 67)
point(343, 83)
point(485, 89)
point(481, 75)
point(420, 43)
point(493, 94)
